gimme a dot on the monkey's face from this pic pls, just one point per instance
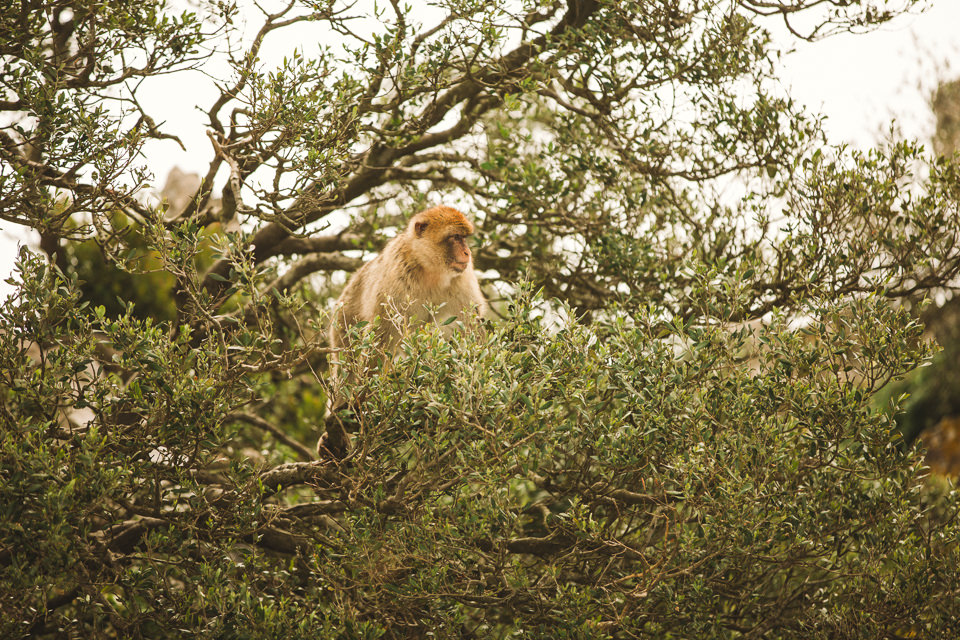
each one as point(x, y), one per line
point(441, 234)
point(457, 252)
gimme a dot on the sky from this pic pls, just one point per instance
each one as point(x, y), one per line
point(859, 83)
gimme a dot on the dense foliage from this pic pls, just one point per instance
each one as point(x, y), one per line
point(669, 430)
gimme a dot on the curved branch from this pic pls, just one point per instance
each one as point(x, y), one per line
point(312, 264)
point(320, 244)
point(276, 539)
point(302, 450)
point(229, 94)
point(294, 473)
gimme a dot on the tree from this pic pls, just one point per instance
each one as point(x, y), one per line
point(669, 431)
point(932, 390)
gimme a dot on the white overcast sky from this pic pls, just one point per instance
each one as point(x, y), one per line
point(860, 83)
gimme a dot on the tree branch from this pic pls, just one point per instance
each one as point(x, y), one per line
point(311, 264)
point(294, 473)
point(320, 244)
point(302, 450)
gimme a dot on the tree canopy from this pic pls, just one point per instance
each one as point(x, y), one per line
point(669, 430)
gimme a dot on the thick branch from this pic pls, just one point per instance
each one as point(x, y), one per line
point(319, 244)
point(312, 264)
point(130, 534)
point(125, 537)
point(533, 546)
point(294, 473)
point(276, 539)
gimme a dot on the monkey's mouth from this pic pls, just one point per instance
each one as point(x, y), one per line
point(459, 267)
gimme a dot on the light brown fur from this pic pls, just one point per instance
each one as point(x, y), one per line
point(424, 274)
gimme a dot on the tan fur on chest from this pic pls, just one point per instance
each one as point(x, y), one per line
point(424, 274)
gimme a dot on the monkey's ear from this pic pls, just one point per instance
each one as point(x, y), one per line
point(419, 227)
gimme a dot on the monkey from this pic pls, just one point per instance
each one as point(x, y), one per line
point(423, 274)
point(428, 265)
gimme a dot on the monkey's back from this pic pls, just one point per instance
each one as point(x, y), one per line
point(364, 296)
point(348, 309)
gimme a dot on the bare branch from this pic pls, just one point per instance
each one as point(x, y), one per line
point(302, 450)
point(320, 244)
point(312, 264)
point(294, 473)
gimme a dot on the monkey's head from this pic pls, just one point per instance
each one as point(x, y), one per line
point(440, 236)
